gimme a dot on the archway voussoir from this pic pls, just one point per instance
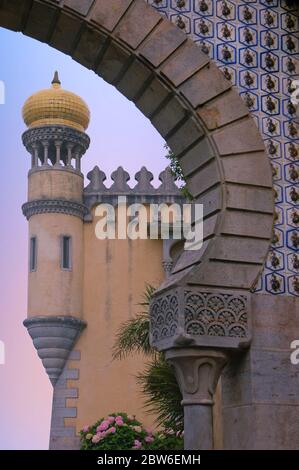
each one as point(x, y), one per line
point(40, 21)
point(108, 14)
point(212, 200)
point(89, 46)
point(113, 62)
point(190, 258)
point(239, 137)
point(250, 224)
point(131, 30)
point(249, 198)
point(79, 6)
point(133, 80)
point(225, 274)
point(169, 117)
point(65, 33)
point(187, 135)
point(240, 249)
point(247, 168)
point(12, 13)
point(205, 85)
point(197, 156)
point(204, 179)
point(153, 98)
point(164, 40)
point(184, 63)
point(223, 110)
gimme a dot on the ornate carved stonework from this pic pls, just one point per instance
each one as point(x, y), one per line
point(54, 133)
point(215, 314)
point(186, 316)
point(57, 206)
point(164, 317)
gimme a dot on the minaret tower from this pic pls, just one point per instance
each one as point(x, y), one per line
point(56, 139)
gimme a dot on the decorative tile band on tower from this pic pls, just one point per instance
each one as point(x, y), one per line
point(54, 206)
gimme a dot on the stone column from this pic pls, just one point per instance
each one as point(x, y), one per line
point(69, 155)
point(78, 160)
point(58, 144)
point(34, 162)
point(46, 152)
point(197, 371)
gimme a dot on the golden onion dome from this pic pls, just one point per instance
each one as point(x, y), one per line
point(56, 106)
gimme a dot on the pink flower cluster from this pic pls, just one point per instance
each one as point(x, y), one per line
point(109, 426)
point(148, 438)
point(101, 434)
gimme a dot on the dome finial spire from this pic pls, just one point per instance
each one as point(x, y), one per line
point(56, 80)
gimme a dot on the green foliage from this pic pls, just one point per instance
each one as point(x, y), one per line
point(159, 385)
point(167, 441)
point(177, 172)
point(158, 382)
point(122, 432)
point(133, 335)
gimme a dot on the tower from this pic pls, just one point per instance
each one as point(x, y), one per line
point(56, 139)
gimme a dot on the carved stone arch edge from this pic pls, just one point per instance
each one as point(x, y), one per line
point(191, 104)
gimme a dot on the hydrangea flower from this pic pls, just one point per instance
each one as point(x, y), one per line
point(103, 426)
point(137, 444)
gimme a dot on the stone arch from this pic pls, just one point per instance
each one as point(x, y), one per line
point(191, 104)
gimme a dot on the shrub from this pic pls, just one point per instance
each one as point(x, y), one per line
point(119, 431)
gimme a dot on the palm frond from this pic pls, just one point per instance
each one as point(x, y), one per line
point(133, 335)
point(159, 385)
point(147, 296)
point(157, 381)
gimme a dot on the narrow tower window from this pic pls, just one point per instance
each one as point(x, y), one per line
point(33, 254)
point(66, 258)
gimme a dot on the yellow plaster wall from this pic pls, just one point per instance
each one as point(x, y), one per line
point(51, 290)
point(52, 183)
point(115, 276)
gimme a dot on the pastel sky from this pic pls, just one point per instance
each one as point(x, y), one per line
point(120, 135)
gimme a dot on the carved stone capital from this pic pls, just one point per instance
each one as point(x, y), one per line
point(197, 372)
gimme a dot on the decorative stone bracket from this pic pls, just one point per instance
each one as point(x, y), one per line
point(184, 316)
point(54, 339)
